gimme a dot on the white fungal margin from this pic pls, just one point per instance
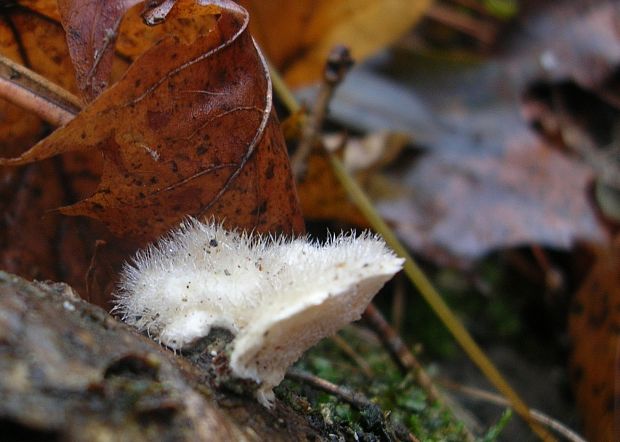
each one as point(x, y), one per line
point(278, 297)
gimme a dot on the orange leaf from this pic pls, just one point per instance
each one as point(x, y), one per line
point(323, 197)
point(298, 35)
point(594, 325)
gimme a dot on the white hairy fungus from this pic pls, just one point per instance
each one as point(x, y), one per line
point(278, 297)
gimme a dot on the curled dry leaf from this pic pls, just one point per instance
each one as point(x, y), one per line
point(307, 30)
point(188, 129)
point(102, 36)
point(91, 27)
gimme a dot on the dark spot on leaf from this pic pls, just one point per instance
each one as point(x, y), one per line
point(269, 171)
point(157, 120)
point(610, 403)
point(598, 315)
point(577, 374)
point(262, 208)
point(598, 388)
point(576, 308)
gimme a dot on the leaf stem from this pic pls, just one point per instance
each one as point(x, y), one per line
point(338, 64)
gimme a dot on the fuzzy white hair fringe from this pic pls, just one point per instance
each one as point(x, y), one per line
point(278, 297)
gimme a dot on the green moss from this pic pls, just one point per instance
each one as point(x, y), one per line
point(494, 432)
point(402, 406)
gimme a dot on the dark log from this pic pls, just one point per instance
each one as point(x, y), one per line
point(70, 371)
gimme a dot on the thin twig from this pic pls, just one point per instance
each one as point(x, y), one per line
point(358, 400)
point(481, 30)
point(493, 398)
point(349, 351)
point(406, 361)
point(92, 268)
point(338, 63)
point(33, 92)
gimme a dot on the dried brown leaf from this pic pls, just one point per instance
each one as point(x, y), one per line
point(188, 130)
point(457, 206)
point(91, 27)
point(322, 196)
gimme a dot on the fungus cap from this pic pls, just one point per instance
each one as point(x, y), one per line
point(278, 297)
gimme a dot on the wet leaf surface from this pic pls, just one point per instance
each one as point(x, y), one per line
point(575, 41)
point(455, 206)
point(483, 178)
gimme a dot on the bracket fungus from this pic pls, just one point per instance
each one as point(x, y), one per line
point(278, 297)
